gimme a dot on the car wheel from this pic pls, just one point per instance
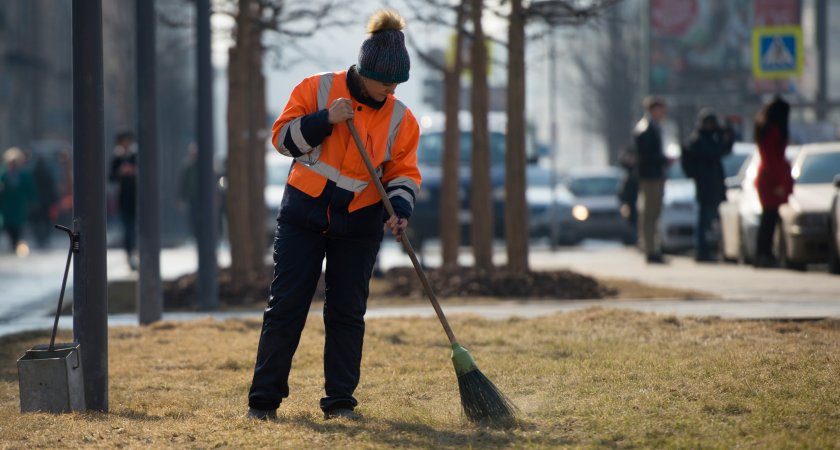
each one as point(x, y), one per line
point(782, 254)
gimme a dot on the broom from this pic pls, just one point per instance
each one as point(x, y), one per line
point(481, 400)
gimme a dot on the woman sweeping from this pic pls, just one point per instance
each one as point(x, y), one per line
point(331, 210)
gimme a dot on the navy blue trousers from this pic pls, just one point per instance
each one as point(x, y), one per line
point(298, 257)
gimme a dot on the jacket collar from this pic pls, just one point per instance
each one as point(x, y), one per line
point(354, 84)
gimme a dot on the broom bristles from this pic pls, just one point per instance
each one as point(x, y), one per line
point(482, 400)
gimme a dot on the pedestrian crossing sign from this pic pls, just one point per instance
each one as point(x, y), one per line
point(777, 51)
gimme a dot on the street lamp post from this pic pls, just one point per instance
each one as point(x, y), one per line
point(208, 287)
point(90, 291)
point(150, 307)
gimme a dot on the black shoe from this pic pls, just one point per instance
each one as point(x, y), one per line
point(259, 414)
point(342, 413)
point(765, 262)
point(656, 259)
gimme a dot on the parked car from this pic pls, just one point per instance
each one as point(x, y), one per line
point(595, 208)
point(834, 230)
point(802, 237)
point(679, 211)
point(549, 212)
point(741, 212)
point(425, 222)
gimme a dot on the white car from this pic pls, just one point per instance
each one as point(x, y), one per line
point(741, 212)
point(679, 211)
point(802, 237)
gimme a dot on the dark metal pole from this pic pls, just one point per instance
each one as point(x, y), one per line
point(208, 288)
point(150, 298)
point(822, 58)
point(90, 289)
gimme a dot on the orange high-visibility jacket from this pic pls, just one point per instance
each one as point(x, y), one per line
point(390, 133)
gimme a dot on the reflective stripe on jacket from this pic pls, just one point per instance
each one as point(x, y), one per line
point(327, 163)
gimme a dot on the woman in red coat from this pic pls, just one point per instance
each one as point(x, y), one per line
point(773, 181)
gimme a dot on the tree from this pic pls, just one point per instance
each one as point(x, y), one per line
point(480, 190)
point(610, 73)
point(451, 70)
point(516, 209)
point(247, 117)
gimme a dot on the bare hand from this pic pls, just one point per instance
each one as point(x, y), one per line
point(340, 111)
point(397, 226)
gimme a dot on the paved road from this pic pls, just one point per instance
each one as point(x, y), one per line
point(29, 286)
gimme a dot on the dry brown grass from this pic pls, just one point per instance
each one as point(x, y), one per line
point(595, 378)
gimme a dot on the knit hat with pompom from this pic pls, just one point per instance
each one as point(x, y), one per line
point(383, 56)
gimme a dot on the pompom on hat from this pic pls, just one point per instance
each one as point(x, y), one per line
point(383, 56)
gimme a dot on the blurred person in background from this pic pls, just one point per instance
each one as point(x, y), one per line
point(651, 169)
point(17, 196)
point(629, 192)
point(701, 160)
point(124, 174)
point(773, 181)
point(188, 189)
point(44, 213)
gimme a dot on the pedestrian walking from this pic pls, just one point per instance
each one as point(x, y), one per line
point(124, 174)
point(17, 197)
point(773, 181)
point(331, 209)
point(651, 168)
point(701, 160)
point(628, 195)
point(45, 211)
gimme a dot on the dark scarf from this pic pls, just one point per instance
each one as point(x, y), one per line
point(354, 83)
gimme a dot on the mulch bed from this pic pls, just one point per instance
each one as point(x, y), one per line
point(470, 282)
point(180, 294)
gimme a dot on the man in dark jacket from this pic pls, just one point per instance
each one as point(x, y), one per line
point(651, 169)
point(705, 148)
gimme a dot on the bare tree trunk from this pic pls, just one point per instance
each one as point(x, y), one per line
point(450, 204)
point(256, 149)
point(516, 212)
point(241, 168)
point(480, 199)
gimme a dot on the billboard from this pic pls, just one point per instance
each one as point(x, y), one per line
point(705, 46)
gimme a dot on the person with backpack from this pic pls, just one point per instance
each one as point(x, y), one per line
point(701, 160)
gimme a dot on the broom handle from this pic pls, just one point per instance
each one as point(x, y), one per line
point(406, 244)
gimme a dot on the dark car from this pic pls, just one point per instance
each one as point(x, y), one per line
point(425, 221)
point(595, 207)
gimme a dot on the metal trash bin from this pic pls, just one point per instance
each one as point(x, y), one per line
point(50, 376)
point(51, 380)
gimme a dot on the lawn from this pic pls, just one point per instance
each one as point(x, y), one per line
point(594, 378)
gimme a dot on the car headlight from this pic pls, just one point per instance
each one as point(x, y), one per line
point(580, 212)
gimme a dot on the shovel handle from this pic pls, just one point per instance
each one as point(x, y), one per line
point(404, 239)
